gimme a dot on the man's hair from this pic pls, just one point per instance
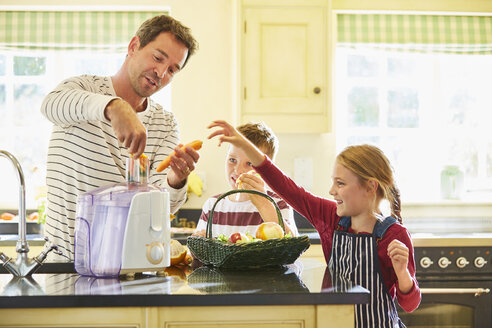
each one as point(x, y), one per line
point(154, 26)
point(261, 136)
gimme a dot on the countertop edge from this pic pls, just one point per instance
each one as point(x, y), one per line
point(62, 301)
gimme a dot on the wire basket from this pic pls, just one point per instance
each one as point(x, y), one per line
point(271, 252)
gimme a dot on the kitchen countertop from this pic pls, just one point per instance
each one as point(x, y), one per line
point(306, 282)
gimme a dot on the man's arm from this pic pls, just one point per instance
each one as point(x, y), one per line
point(76, 100)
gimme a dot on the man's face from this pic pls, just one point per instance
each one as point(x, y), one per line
point(152, 67)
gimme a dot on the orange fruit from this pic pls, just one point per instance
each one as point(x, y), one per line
point(178, 252)
point(33, 216)
point(7, 216)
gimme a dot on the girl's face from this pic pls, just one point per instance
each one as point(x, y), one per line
point(353, 198)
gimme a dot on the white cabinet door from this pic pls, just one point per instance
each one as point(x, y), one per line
point(284, 68)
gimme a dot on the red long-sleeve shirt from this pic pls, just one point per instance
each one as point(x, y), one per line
point(321, 213)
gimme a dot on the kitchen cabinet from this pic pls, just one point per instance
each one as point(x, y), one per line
point(185, 317)
point(285, 65)
point(315, 252)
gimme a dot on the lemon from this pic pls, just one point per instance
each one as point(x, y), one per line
point(178, 252)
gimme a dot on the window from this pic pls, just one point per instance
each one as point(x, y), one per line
point(428, 110)
point(32, 67)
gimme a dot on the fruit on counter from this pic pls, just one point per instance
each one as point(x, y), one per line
point(269, 230)
point(196, 144)
point(7, 216)
point(178, 252)
point(34, 216)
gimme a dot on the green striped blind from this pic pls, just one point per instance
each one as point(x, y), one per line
point(423, 33)
point(70, 30)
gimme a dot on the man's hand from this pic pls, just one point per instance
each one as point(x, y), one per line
point(182, 163)
point(127, 127)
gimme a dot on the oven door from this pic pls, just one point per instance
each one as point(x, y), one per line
point(452, 304)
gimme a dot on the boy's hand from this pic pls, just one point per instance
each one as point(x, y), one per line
point(246, 176)
point(227, 133)
point(252, 180)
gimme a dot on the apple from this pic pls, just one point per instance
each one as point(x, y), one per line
point(238, 238)
point(269, 230)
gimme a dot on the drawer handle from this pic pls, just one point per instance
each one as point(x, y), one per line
point(476, 291)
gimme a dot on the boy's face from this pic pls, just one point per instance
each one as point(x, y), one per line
point(237, 163)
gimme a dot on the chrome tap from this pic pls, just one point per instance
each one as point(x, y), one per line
point(23, 265)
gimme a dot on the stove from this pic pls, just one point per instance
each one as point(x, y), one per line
point(454, 271)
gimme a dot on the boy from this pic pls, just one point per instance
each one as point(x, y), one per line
point(244, 212)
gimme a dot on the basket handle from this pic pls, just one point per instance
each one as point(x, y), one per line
point(248, 191)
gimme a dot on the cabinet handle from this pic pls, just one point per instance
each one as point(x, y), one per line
point(317, 90)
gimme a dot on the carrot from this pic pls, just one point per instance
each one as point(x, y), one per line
point(197, 144)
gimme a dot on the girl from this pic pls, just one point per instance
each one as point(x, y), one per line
point(358, 243)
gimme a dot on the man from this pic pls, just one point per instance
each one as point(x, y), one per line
point(101, 121)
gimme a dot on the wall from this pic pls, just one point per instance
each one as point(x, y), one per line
point(206, 88)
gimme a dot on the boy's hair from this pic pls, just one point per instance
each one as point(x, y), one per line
point(154, 26)
point(261, 136)
point(369, 163)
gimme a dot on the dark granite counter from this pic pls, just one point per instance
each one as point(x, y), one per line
point(306, 282)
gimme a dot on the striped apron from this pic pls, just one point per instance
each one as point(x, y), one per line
point(354, 260)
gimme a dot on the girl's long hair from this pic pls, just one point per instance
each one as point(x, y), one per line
point(370, 163)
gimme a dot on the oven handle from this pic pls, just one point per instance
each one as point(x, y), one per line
point(476, 291)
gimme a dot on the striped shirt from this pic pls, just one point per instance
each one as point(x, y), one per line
point(231, 217)
point(85, 154)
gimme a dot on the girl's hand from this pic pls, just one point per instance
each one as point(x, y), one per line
point(398, 253)
point(227, 133)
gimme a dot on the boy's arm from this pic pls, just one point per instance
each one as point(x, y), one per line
point(268, 212)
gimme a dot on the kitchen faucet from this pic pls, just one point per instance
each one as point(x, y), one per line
point(23, 266)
